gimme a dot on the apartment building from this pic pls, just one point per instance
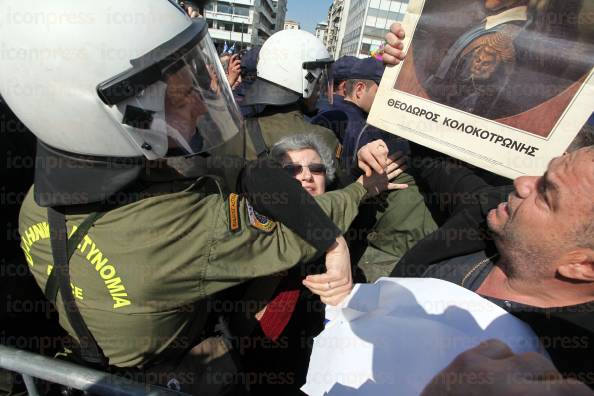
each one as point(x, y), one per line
point(245, 23)
point(337, 20)
point(367, 23)
point(289, 24)
point(321, 30)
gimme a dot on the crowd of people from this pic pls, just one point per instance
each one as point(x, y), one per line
point(190, 222)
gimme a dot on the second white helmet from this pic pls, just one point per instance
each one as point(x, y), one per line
point(295, 60)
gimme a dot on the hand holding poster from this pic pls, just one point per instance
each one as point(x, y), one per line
point(503, 84)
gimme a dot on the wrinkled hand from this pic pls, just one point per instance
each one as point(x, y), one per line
point(378, 183)
point(233, 69)
point(492, 369)
point(337, 282)
point(373, 157)
point(393, 53)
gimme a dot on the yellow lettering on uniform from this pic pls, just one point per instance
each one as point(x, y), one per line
point(46, 230)
point(40, 231)
point(29, 258)
point(83, 245)
point(93, 251)
point(115, 285)
point(120, 302)
point(98, 261)
point(49, 269)
point(30, 234)
point(74, 228)
point(76, 291)
point(107, 272)
point(25, 244)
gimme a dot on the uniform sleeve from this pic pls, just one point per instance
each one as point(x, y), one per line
point(342, 206)
point(248, 245)
point(276, 194)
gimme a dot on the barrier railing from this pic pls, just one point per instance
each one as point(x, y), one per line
point(31, 366)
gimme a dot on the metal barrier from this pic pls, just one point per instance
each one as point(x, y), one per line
point(31, 365)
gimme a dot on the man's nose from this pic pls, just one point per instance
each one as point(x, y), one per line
point(524, 185)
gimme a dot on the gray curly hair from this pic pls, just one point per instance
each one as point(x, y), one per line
point(302, 142)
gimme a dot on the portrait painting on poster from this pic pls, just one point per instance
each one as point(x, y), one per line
point(503, 84)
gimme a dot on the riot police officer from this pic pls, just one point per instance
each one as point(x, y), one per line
point(122, 229)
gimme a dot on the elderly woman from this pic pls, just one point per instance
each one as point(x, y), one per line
point(308, 159)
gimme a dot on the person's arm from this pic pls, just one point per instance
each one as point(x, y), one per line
point(493, 369)
point(246, 245)
point(274, 193)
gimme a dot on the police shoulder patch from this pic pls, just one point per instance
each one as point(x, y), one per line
point(258, 221)
point(234, 220)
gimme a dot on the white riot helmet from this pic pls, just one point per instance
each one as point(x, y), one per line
point(291, 66)
point(117, 78)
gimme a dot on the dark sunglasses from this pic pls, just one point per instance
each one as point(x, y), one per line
point(296, 169)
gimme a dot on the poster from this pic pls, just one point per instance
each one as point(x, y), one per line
point(505, 85)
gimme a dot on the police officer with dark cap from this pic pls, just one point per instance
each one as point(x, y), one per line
point(339, 75)
point(347, 117)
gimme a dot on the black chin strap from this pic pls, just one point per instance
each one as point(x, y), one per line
point(90, 351)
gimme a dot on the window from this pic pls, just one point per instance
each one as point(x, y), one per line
point(365, 49)
point(224, 8)
point(396, 16)
point(374, 32)
point(241, 10)
point(233, 27)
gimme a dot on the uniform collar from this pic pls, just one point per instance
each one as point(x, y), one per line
point(354, 106)
point(511, 15)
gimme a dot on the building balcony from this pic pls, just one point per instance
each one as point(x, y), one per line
point(220, 16)
point(230, 36)
point(269, 17)
point(242, 2)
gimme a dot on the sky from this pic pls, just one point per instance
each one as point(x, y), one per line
point(308, 12)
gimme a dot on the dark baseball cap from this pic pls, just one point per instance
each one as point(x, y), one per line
point(249, 61)
point(367, 69)
point(342, 67)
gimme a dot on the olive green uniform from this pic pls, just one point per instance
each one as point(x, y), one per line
point(402, 219)
point(289, 123)
point(144, 272)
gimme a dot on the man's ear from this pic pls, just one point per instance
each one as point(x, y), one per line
point(578, 264)
point(360, 89)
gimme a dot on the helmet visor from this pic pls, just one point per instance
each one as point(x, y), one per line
point(329, 85)
point(200, 112)
point(319, 72)
point(176, 100)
